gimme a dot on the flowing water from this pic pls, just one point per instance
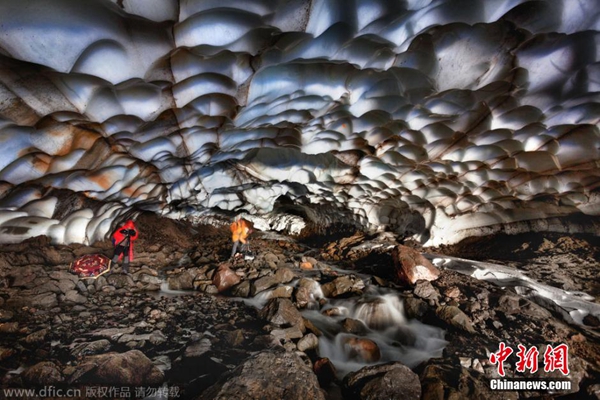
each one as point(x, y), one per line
point(384, 332)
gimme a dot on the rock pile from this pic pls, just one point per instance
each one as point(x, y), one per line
point(188, 317)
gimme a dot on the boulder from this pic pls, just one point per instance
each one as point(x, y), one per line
point(131, 368)
point(44, 373)
point(411, 266)
point(384, 381)
point(282, 312)
point(224, 278)
point(362, 349)
point(268, 375)
point(343, 285)
point(454, 316)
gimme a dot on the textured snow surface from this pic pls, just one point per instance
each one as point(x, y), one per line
point(439, 119)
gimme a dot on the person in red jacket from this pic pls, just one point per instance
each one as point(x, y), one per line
point(123, 239)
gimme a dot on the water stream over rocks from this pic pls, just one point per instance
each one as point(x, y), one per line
point(322, 322)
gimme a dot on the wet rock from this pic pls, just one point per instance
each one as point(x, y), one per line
point(415, 308)
point(308, 291)
point(163, 363)
point(90, 348)
point(283, 313)
point(445, 381)
point(44, 300)
point(224, 278)
point(312, 328)
point(282, 292)
point(113, 333)
point(594, 391)
point(9, 327)
point(182, 281)
point(287, 334)
point(362, 349)
point(308, 342)
point(268, 375)
point(36, 337)
point(325, 371)
point(355, 326)
point(131, 368)
point(80, 285)
point(241, 290)
point(198, 349)
point(452, 292)
point(411, 266)
point(425, 290)
point(284, 275)
point(264, 283)
point(73, 296)
point(347, 284)
point(119, 280)
point(235, 338)
point(44, 373)
point(384, 381)
point(47, 286)
point(100, 282)
point(157, 338)
point(6, 315)
point(454, 316)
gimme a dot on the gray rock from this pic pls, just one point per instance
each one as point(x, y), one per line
point(282, 313)
point(131, 368)
point(264, 283)
point(415, 308)
point(36, 337)
point(268, 375)
point(282, 291)
point(113, 333)
point(241, 290)
point(284, 275)
point(44, 373)
point(287, 334)
point(343, 285)
point(355, 326)
point(198, 349)
point(384, 381)
point(91, 348)
point(157, 338)
point(308, 342)
point(425, 290)
point(81, 287)
point(306, 292)
point(454, 316)
point(451, 381)
point(73, 296)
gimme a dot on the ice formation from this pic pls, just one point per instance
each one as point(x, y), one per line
point(573, 306)
point(440, 119)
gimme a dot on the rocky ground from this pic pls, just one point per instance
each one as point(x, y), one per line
point(123, 333)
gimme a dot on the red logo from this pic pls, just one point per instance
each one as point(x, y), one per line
point(528, 359)
point(555, 358)
point(500, 357)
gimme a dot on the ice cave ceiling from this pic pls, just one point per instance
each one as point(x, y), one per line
point(438, 118)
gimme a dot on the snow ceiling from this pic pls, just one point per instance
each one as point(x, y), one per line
point(439, 119)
